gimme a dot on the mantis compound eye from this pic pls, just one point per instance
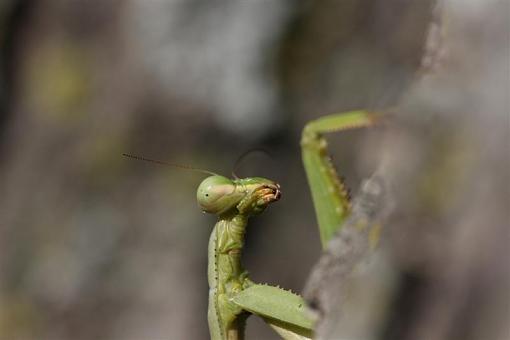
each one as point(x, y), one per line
point(217, 194)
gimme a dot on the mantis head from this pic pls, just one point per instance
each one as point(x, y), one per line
point(249, 196)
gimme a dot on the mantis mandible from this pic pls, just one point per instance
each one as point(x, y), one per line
point(232, 296)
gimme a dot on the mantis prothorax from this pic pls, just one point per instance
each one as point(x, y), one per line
point(232, 295)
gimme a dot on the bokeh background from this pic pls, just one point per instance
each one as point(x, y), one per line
point(97, 246)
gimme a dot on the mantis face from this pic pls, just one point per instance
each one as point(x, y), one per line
point(218, 194)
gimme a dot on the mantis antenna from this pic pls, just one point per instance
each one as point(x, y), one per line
point(244, 155)
point(185, 167)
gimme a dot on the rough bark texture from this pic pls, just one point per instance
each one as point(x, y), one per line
point(352, 244)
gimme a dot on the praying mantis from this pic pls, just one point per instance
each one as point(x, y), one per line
point(232, 295)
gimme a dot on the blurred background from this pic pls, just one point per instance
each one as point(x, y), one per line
point(97, 246)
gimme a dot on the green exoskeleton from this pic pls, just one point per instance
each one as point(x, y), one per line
point(232, 296)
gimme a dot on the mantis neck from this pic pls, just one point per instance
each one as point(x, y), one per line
point(225, 246)
point(226, 277)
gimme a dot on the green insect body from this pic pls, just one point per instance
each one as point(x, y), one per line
point(232, 296)
point(234, 201)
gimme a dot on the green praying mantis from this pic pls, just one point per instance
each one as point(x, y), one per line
point(233, 297)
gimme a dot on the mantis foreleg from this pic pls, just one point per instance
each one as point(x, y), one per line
point(329, 195)
point(283, 310)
